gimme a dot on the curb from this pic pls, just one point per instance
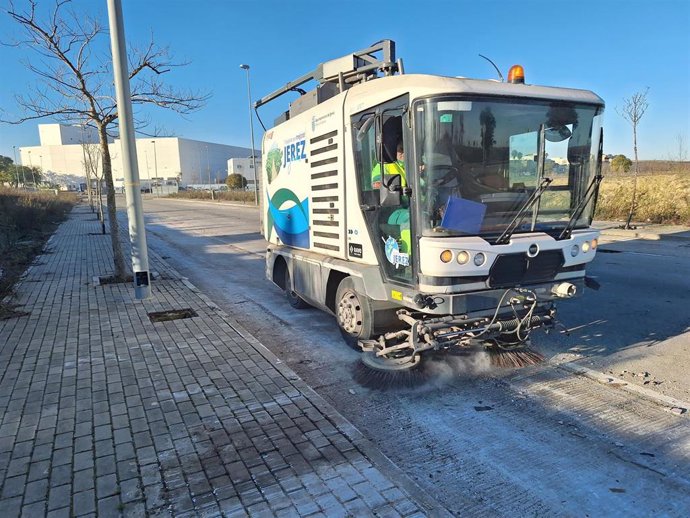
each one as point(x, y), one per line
point(649, 236)
point(214, 202)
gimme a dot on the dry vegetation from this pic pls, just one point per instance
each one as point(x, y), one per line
point(26, 222)
point(662, 197)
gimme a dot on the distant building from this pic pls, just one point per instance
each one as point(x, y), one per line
point(245, 167)
point(63, 152)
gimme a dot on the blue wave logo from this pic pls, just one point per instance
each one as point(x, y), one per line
point(291, 223)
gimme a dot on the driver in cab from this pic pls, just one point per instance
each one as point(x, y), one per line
point(401, 216)
point(392, 168)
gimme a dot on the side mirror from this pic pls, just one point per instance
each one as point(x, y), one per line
point(557, 133)
point(389, 193)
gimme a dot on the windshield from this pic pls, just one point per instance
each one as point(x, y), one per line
point(478, 162)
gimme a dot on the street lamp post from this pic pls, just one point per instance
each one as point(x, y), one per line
point(155, 161)
point(208, 170)
point(251, 131)
point(16, 173)
point(135, 210)
point(31, 166)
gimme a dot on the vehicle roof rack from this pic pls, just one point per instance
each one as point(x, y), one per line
point(338, 75)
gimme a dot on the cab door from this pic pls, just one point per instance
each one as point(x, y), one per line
point(386, 208)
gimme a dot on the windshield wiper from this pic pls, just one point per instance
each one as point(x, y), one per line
point(592, 190)
point(512, 226)
point(580, 207)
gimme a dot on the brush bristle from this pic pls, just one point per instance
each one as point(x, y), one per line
point(376, 379)
point(422, 374)
point(514, 358)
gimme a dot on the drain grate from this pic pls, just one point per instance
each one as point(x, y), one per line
point(172, 314)
point(111, 279)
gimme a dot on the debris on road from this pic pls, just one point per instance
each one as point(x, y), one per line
point(678, 410)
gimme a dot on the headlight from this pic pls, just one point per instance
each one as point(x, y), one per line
point(585, 246)
point(446, 256)
point(574, 250)
point(463, 257)
point(479, 259)
point(595, 243)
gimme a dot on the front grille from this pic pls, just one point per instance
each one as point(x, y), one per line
point(518, 269)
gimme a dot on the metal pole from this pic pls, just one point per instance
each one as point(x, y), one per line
point(31, 165)
point(16, 171)
point(148, 169)
point(135, 209)
point(251, 131)
point(208, 170)
point(155, 161)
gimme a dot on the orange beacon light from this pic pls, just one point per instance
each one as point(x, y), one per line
point(516, 74)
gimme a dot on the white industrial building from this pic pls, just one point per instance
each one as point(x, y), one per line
point(245, 167)
point(62, 153)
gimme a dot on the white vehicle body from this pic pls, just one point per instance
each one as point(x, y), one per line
point(320, 213)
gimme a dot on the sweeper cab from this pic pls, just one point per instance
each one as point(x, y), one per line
point(427, 212)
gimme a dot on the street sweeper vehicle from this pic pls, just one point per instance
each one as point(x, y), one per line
point(429, 213)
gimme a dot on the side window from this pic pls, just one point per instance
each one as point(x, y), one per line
point(379, 150)
point(366, 154)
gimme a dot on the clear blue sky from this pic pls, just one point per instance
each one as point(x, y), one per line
point(612, 47)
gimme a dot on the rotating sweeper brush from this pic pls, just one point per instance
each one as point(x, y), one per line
point(397, 358)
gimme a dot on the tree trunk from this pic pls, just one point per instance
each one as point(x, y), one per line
point(99, 193)
point(118, 258)
point(634, 193)
point(88, 184)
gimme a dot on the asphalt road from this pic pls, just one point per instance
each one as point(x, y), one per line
point(542, 441)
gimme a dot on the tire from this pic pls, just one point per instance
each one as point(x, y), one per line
point(293, 299)
point(353, 313)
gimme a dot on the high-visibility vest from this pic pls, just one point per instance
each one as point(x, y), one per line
point(392, 168)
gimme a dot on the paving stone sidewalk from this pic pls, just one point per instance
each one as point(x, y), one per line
point(103, 412)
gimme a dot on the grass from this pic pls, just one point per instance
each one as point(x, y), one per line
point(27, 220)
point(662, 198)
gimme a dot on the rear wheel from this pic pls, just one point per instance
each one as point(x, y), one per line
point(293, 299)
point(353, 313)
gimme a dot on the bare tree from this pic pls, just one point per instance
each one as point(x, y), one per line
point(76, 84)
point(633, 109)
point(93, 167)
point(678, 156)
point(682, 155)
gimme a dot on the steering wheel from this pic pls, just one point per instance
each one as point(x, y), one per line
point(445, 173)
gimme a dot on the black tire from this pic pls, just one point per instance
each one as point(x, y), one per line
point(293, 299)
point(353, 313)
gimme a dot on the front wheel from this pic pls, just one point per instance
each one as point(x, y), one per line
point(353, 313)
